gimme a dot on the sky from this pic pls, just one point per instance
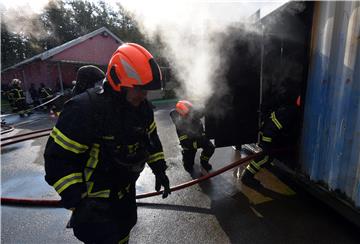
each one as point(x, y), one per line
point(266, 6)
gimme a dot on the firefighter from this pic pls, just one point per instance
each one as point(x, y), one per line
point(279, 128)
point(87, 77)
point(45, 94)
point(34, 94)
point(191, 135)
point(17, 98)
point(100, 145)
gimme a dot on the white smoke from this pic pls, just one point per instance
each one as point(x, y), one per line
point(21, 17)
point(188, 29)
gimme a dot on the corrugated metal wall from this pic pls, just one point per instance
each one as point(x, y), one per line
point(330, 153)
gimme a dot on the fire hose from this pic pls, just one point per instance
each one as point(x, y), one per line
point(30, 109)
point(56, 203)
point(24, 137)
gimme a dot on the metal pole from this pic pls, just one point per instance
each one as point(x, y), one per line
point(261, 74)
point(27, 95)
point(60, 78)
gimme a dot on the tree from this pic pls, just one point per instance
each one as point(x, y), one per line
point(64, 20)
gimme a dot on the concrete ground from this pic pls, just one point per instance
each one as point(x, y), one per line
point(220, 210)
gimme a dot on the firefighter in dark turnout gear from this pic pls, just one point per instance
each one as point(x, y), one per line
point(87, 76)
point(190, 131)
point(17, 98)
point(279, 128)
point(100, 145)
point(45, 94)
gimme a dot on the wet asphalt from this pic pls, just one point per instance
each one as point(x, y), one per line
point(220, 210)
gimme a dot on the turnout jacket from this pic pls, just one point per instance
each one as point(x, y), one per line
point(100, 145)
point(281, 126)
point(188, 128)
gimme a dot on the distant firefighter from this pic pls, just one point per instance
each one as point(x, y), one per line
point(279, 127)
point(16, 97)
point(34, 94)
point(87, 77)
point(45, 94)
point(191, 135)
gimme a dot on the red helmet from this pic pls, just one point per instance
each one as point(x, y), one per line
point(183, 107)
point(132, 65)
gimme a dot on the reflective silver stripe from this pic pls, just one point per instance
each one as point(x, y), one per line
point(155, 157)
point(67, 181)
point(195, 145)
point(131, 72)
point(67, 143)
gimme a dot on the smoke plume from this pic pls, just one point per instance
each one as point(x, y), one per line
point(21, 17)
point(190, 32)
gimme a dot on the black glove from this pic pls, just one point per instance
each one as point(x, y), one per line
point(162, 180)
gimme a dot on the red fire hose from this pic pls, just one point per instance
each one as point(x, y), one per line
point(56, 203)
point(24, 137)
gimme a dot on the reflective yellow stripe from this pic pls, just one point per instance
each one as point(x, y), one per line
point(267, 139)
point(67, 181)
point(183, 137)
point(202, 157)
point(155, 157)
point(253, 163)
point(92, 161)
point(276, 122)
point(194, 144)
point(108, 137)
point(47, 94)
point(152, 127)
point(121, 193)
point(66, 142)
point(102, 194)
point(125, 239)
point(132, 148)
point(261, 162)
point(250, 169)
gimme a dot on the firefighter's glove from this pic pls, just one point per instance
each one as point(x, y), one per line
point(161, 179)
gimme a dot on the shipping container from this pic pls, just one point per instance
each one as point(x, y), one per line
point(330, 148)
point(316, 44)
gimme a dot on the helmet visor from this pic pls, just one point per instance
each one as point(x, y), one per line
point(155, 84)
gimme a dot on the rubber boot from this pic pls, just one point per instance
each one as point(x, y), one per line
point(188, 167)
point(206, 165)
point(247, 178)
